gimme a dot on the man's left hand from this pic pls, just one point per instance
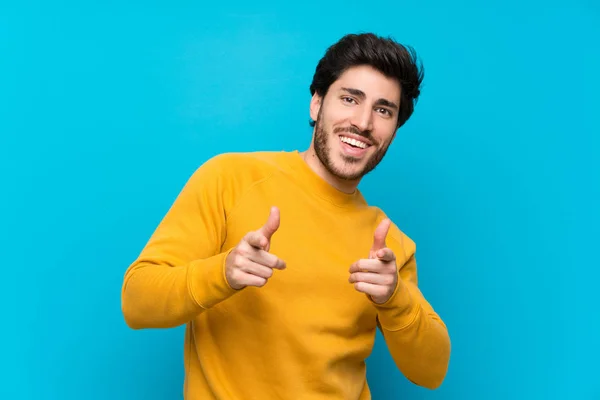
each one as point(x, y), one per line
point(376, 276)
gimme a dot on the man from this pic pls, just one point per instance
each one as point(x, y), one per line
point(277, 266)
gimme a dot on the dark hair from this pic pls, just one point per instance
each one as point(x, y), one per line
point(384, 54)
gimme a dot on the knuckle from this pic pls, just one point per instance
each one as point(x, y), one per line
point(237, 250)
point(261, 282)
point(268, 273)
point(243, 250)
point(238, 260)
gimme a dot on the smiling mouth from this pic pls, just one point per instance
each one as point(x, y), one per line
point(354, 142)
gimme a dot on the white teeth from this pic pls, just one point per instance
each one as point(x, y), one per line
point(353, 142)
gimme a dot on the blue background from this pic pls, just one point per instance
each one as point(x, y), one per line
point(107, 108)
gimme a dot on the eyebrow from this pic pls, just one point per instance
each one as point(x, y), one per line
point(379, 102)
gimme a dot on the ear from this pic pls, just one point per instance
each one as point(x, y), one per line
point(315, 106)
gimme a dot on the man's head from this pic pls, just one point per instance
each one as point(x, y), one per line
point(364, 89)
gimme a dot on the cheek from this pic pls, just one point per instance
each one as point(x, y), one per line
point(385, 133)
point(339, 117)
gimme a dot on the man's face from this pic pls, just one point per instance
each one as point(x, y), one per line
point(355, 122)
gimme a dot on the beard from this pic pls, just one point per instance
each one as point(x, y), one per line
point(323, 150)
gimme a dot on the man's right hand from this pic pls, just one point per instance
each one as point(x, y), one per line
point(250, 263)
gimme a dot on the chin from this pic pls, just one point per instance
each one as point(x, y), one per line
point(347, 168)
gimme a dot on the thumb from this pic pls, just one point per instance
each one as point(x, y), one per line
point(272, 224)
point(380, 235)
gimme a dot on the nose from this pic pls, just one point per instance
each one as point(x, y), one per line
point(362, 118)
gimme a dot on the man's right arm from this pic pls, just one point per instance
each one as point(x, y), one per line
point(181, 271)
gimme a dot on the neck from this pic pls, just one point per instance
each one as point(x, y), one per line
point(345, 186)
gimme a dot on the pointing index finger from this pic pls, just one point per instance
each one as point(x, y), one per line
point(366, 265)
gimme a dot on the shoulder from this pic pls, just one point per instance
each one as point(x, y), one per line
point(242, 161)
point(226, 177)
point(246, 166)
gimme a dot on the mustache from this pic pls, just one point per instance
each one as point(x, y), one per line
point(356, 131)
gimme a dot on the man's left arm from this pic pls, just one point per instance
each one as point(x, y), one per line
point(415, 335)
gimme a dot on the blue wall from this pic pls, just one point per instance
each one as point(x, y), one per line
point(105, 110)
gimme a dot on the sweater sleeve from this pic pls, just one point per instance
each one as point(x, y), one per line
point(414, 333)
point(180, 272)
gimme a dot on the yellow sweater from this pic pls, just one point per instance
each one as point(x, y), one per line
point(307, 332)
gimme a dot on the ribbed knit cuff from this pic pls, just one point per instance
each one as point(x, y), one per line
point(207, 282)
point(400, 310)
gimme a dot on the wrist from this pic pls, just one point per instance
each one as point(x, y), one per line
point(399, 310)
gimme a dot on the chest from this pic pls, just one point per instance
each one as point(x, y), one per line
point(318, 245)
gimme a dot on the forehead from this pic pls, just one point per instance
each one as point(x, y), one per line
point(373, 83)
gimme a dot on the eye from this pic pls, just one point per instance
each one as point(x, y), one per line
point(347, 99)
point(385, 111)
